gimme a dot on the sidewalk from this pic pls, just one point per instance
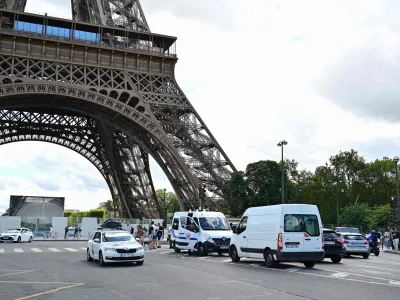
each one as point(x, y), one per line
point(391, 252)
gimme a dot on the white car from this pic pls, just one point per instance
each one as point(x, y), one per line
point(17, 235)
point(110, 245)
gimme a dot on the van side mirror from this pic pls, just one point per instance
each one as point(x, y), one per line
point(234, 229)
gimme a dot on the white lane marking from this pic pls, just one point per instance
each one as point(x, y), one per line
point(71, 249)
point(54, 250)
point(226, 260)
point(1, 250)
point(394, 282)
point(339, 275)
point(36, 250)
point(386, 269)
point(18, 250)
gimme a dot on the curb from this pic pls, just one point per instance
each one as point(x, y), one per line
point(391, 252)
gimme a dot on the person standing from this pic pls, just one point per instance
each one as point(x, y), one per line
point(76, 232)
point(396, 239)
point(50, 232)
point(66, 232)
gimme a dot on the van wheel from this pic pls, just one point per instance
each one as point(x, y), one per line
point(234, 254)
point(309, 264)
point(270, 260)
point(201, 250)
point(177, 250)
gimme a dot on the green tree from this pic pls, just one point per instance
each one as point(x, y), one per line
point(354, 214)
point(171, 200)
point(107, 205)
point(379, 215)
point(264, 182)
point(236, 195)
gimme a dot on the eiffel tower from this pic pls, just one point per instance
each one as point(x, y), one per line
point(103, 85)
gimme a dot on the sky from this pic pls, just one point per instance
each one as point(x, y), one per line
point(322, 75)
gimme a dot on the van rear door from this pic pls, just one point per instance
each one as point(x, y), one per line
point(293, 235)
point(312, 230)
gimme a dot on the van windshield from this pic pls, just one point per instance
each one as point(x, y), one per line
point(302, 223)
point(213, 223)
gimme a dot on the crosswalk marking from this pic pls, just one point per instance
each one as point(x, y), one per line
point(1, 250)
point(83, 249)
point(54, 250)
point(36, 250)
point(18, 250)
point(71, 249)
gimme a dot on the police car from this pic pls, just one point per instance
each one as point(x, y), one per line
point(109, 245)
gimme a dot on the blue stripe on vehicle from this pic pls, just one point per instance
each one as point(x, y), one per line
point(183, 238)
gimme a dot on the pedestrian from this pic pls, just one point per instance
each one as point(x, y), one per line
point(396, 239)
point(50, 232)
point(140, 233)
point(76, 230)
point(66, 232)
point(160, 234)
point(387, 239)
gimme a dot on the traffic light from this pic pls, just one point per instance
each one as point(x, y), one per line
point(202, 191)
point(392, 201)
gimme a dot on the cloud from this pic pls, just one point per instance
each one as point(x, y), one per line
point(45, 183)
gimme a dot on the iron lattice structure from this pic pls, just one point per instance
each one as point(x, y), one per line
point(103, 85)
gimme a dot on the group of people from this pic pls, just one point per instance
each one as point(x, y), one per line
point(389, 239)
point(154, 234)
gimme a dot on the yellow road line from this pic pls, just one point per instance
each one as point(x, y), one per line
point(50, 291)
point(38, 282)
point(15, 273)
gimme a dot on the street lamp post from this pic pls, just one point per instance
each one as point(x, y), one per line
point(281, 144)
point(396, 160)
point(165, 210)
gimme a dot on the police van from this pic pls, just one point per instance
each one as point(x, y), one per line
point(200, 231)
point(279, 233)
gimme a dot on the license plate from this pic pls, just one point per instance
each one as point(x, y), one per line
point(127, 255)
point(223, 247)
point(292, 246)
point(329, 243)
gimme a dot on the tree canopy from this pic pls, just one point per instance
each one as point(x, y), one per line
point(347, 189)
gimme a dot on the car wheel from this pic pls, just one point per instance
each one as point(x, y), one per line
point(309, 264)
point(88, 257)
point(269, 259)
point(30, 240)
point(365, 256)
point(139, 263)
point(234, 254)
point(336, 259)
point(19, 240)
point(201, 251)
point(177, 250)
point(101, 261)
point(1, 242)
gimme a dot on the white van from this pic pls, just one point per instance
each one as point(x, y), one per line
point(201, 231)
point(279, 233)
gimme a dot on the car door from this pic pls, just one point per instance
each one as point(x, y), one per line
point(312, 233)
point(188, 237)
point(241, 231)
point(96, 244)
point(24, 235)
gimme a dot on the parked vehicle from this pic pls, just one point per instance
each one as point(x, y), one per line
point(333, 246)
point(279, 233)
point(201, 231)
point(355, 244)
point(347, 229)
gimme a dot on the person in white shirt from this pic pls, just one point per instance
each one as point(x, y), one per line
point(50, 234)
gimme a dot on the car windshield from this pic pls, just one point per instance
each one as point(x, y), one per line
point(354, 237)
point(116, 237)
point(330, 235)
point(214, 223)
point(12, 231)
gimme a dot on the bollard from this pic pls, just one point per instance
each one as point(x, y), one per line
point(55, 235)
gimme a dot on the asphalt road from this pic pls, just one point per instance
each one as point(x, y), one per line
point(59, 270)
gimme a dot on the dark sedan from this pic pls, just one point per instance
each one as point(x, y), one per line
point(333, 246)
